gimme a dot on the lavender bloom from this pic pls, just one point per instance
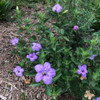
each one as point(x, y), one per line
point(92, 57)
point(18, 71)
point(36, 46)
point(75, 28)
point(45, 73)
point(32, 57)
point(98, 98)
point(82, 70)
point(57, 8)
point(49, 29)
point(14, 41)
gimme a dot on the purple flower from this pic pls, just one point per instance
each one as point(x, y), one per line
point(57, 8)
point(18, 71)
point(32, 57)
point(36, 46)
point(45, 73)
point(49, 29)
point(92, 57)
point(14, 41)
point(37, 52)
point(82, 70)
point(98, 98)
point(75, 28)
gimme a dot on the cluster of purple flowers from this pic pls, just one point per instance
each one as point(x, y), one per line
point(33, 56)
point(83, 69)
point(58, 9)
point(98, 98)
point(45, 73)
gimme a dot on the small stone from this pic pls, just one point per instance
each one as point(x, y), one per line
point(7, 93)
point(16, 78)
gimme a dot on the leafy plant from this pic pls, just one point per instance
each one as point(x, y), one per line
point(66, 57)
point(5, 7)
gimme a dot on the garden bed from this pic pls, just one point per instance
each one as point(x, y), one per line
point(11, 86)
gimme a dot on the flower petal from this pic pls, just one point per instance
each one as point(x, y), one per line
point(19, 74)
point(47, 66)
point(79, 67)
point(38, 77)
point(39, 68)
point(84, 75)
point(79, 71)
point(53, 9)
point(47, 79)
point(98, 98)
point(51, 72)
point(21, 70)
point(84, 66)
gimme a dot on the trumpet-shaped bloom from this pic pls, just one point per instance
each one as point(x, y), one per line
point(57, 8)
point(36, 46)
point(75, 28)
point(14, 41)
point(92, 57)
point(32, 57)
point(18, 71)
point(45, 73)
point(82, 70)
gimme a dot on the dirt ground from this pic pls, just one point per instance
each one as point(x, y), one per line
point(11, 86)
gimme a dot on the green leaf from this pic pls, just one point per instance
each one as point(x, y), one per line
point(65, 38)
point(52, 38)
point(46, 20)
point(35, 84)
point(60, 50)
point(56, 77)
point(22, 96)
point(48, 90)
point(62, 32)
point(29, 74)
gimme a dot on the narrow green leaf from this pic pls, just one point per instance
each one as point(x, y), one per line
point(56, 77)
point(35, 84)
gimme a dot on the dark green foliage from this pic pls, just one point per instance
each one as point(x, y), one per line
point(64, 48)
point(5, 7)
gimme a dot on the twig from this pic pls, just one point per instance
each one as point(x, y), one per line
point(8, 83)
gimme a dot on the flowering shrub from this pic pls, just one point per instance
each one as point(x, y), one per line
point(66, 57)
